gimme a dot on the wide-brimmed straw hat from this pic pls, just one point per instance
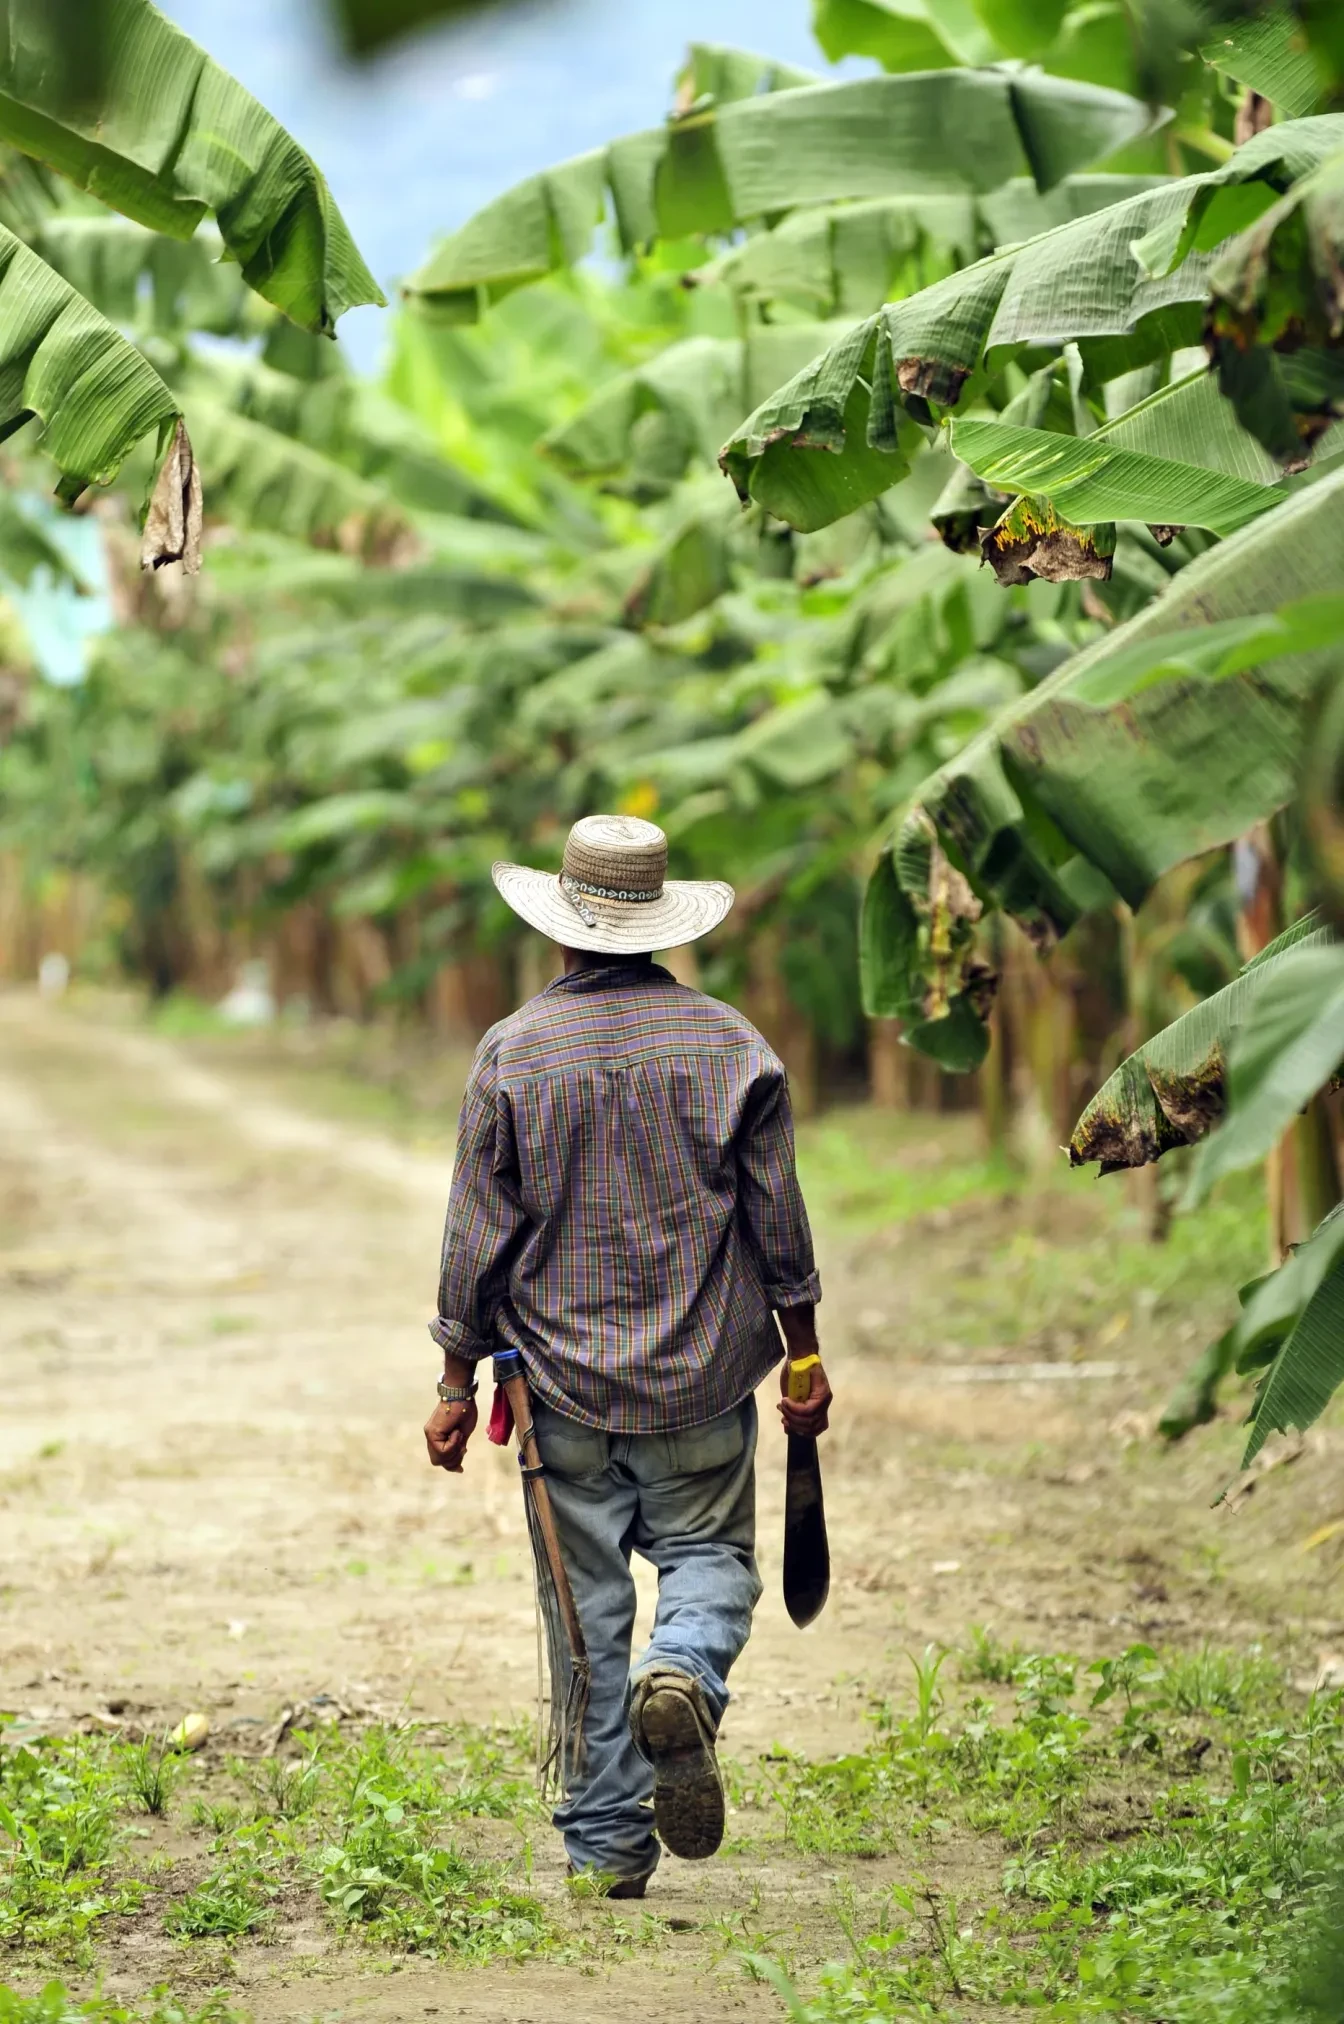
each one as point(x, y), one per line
point(613, 894)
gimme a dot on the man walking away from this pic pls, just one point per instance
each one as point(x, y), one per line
point(625, 1216)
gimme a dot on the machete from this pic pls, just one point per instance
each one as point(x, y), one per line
point(807, 1554)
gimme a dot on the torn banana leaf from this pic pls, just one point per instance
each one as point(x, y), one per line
point(1293, 1322)
point(62, 362)
point(1032, 540)
point(838, 442)
point(1213, 208)
point(1173, 1090)
point(160, 133)
point(966, 506)
point(1275, 326)
point(1178, 459)
point(1068, 799)
point(713, 170)
point(1079, 283)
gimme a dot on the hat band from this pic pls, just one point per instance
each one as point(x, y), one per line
point(574, 889)
point(578, 885)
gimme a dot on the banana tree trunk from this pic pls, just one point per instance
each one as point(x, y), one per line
point(1259, 879)
point(887, 1082)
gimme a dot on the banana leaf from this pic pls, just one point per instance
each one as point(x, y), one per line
point(262, 479)
point(904, 34)
point(1166, 461)
point(1267, 53)
point(160, 133)
point(27, 546)
point(937, 133)
point(1072, 798)
point(966, 506)
point(1174, 1089)
point(1079, 283)
point(1276, 323)
point(847, 259)
point(660, 414)
point(1293, 1322)
point(29, 194)
point(346, 420)
point(142, 280)
point(678, 405)
point(1286, 1051)
point(691, 568)
point(716, 74)
point(94, 394)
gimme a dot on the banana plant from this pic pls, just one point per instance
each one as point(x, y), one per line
point(162, 134)
point(722, 163)
point(129, 110)
point(1082, 284)
point(1172, 734)
point(1283, 52)
point(1253, 1053)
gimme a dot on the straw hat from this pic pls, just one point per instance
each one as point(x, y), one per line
point(613, 895)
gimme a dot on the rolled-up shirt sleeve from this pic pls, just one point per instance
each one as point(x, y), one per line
point(485, 1221)
point(770, 1198)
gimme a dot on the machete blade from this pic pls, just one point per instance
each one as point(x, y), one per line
point(807, 1553)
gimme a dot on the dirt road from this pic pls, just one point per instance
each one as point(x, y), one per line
point(213, 1371)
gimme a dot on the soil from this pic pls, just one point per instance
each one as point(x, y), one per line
point(213, 1372)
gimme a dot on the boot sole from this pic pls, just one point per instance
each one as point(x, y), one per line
point(688, 1804)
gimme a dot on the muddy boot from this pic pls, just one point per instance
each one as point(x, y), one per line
point(671, 1726)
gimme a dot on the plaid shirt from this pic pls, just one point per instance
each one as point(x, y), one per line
point(624, 1210)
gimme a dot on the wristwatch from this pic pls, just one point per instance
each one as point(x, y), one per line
point(456, 1394)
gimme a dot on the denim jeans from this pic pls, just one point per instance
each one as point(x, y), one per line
point(686, 1502)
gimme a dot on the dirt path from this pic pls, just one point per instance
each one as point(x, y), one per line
point(213, 1369)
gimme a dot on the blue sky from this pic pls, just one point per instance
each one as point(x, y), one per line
point(417, 141)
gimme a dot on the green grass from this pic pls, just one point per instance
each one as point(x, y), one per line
point(861, 1169)
point(53, 2005)
point(1152, 1838)
point(366, 1829)
point(1159, 1840)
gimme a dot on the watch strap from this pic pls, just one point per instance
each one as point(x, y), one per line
point(456, 1394)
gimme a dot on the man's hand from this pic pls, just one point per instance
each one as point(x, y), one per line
point(447, 1431)
point(811, 1415)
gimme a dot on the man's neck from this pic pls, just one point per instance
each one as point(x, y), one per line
point(592, 959)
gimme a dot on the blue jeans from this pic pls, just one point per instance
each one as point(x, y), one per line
point(686, 1502)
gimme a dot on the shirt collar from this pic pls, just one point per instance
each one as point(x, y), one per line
point(606, 976)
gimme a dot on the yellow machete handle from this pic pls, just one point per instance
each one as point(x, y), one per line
point(800, 1378)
